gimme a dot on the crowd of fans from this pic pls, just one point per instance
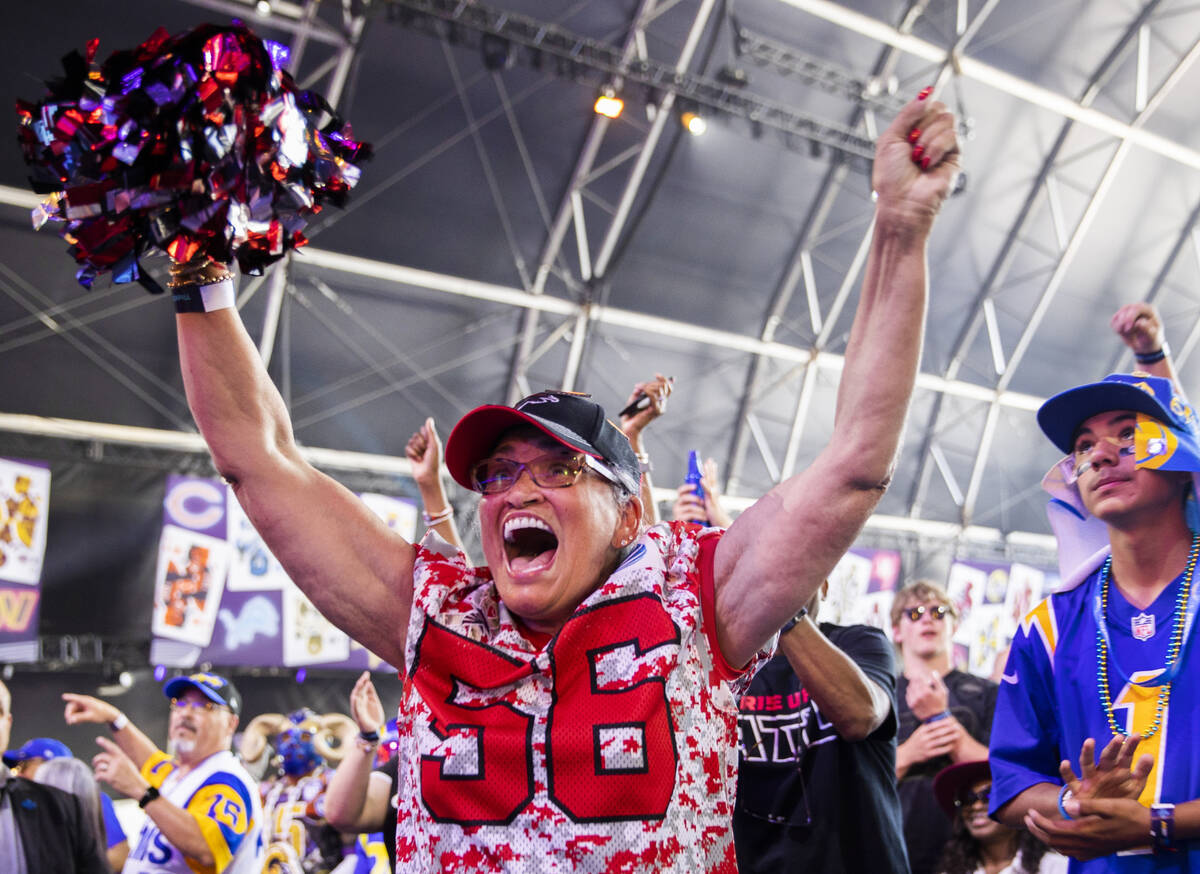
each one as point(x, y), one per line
point(849, 762)
point(581, 699)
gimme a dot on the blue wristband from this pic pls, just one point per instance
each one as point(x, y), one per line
point(1063, 794)
point(938, 717)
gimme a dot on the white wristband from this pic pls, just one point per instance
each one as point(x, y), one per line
point(218, 296)
point(119, 723)
point(204, 298)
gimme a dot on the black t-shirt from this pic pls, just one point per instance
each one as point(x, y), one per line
point(833, 803)
point(972, 701)
point(391, 769)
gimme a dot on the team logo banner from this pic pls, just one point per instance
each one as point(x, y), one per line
point(992, 598)
point(861, 588)
point(25, 493)
point(24, 503)
point(220, 596)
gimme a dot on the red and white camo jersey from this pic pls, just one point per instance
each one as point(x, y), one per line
point(613, 749)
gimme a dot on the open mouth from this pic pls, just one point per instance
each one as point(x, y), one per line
point(529, 544)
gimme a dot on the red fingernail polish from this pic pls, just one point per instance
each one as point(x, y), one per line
point(925, 162)
point(914, 135)
point(925, 92)
point(917, 152)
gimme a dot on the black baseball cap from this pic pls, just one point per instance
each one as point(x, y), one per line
point(571, 418)
point(214, 687)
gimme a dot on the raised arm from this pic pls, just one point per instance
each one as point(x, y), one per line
point(779, 550)
point(854, 702)
point(647, 402)
point(1141, 329)
point(707, 510)
point(356, 572)
point(356, 799)
point(130, 739)
point(424, 452)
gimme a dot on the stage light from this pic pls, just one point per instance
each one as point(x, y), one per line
point(160, 673)
point(301, 675)
point(693, 123)
point(125, 679)
point(609, 104)
point(263, 8)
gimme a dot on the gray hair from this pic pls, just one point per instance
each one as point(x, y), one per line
point(75, 777)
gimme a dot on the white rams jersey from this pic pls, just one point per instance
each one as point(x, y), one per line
point(223, 798)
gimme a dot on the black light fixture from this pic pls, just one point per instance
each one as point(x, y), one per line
point(497, 52)
point(735, 77)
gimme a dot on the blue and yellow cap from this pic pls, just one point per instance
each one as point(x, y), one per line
point(1165, 438)
point(214, 687)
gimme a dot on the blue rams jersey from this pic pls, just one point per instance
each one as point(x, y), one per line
point(1049, 703)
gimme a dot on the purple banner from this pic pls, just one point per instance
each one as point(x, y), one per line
point(221, 597)
point(25, 497)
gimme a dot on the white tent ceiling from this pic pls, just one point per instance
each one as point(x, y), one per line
point(506, 239)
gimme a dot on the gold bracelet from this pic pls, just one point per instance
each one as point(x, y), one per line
point(201, 270)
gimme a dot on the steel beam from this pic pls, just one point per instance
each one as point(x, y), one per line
point(1185, 236)
point(1014, 86)
point(634, 183)
point(1033, 322)
point(191, 443)
point(323, 259)
point(1003, 261)
point(517, 385)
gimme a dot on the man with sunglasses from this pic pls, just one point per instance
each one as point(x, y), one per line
point(1109, 655)
point(202, 807)
point(945, 714)
point(571, 704)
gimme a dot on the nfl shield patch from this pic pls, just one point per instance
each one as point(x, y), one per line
point(1143, 626)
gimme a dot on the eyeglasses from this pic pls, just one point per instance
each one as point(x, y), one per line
point(206, 706)
point(1081, 457)
point(971, 798)
point(915, 613)
point(495, 475)
point(789, 808)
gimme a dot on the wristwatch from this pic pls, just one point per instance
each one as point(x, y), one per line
point(791, 623)
point(150, 795)
point(1162, 827)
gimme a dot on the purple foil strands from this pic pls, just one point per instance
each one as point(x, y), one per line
point(189, 144)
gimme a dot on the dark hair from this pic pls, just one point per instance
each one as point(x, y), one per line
point(961, 855)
